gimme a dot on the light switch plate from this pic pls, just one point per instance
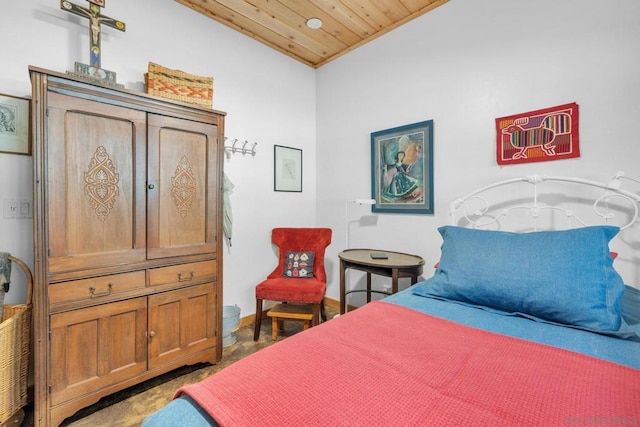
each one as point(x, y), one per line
point(17, 208)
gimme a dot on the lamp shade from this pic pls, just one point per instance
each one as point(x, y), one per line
point(365, 201)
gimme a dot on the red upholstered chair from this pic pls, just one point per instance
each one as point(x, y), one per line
point(278, 287)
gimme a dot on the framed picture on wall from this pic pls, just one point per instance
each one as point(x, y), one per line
point(14, 125)
point(287, 169)
point(538, 136)
point(402, 169)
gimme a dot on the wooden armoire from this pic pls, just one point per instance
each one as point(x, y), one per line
point(127, 239)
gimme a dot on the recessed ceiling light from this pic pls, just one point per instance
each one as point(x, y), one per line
point(314, 23)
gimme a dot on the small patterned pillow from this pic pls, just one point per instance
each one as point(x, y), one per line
point(298, 265)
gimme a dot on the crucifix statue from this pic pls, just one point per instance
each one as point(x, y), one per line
point(96, 20)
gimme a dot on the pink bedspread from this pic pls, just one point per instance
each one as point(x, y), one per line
point(387, 365)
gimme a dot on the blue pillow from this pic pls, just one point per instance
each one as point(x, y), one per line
point(561, 276)
point(630, 307)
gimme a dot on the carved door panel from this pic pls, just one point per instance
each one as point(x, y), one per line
point(94, 347)
point(181, 323)
point(95, 182)
point(182, 185)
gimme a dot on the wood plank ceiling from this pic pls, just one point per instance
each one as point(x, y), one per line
point(282, 24)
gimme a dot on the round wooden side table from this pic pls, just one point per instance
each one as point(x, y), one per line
point(373, 261)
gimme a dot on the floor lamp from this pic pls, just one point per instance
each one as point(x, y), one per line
point(346, 215)
point(346, 222)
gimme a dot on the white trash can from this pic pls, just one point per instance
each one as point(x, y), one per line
point(230, 322)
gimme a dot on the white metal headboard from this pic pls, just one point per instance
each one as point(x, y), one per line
point(612, 205)
point(616, 182)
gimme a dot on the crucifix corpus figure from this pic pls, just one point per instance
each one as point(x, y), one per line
point(96, 19)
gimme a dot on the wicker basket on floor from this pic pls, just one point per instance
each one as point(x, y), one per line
point(15, 340)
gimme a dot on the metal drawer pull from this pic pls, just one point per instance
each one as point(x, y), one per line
point(92, 292)
point(185, 279)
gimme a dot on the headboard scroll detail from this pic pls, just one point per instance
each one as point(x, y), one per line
point(610, 203)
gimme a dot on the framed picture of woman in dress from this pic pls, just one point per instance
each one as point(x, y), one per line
point(402, 169)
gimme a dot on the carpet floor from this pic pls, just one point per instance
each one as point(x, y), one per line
point(130, 407)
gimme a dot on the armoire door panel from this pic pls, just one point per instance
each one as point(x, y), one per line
point(181, 322)
point(182, 207)
point(96, 205)
point(94, 347)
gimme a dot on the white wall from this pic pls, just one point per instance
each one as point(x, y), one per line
point(463, 65)
point(269, 99)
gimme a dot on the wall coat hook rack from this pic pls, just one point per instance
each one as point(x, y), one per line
point(239, 147)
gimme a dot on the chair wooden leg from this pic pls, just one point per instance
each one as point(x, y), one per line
point(323, 312)
point(316, 315)
point(274, 329)
point(258, 321)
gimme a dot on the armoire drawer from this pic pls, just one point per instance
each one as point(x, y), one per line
point(183, 274)
point(96, 288)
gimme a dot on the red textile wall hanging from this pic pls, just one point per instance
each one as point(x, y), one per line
point(538, 136)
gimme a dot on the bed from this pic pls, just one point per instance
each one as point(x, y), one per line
point(532, 326)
